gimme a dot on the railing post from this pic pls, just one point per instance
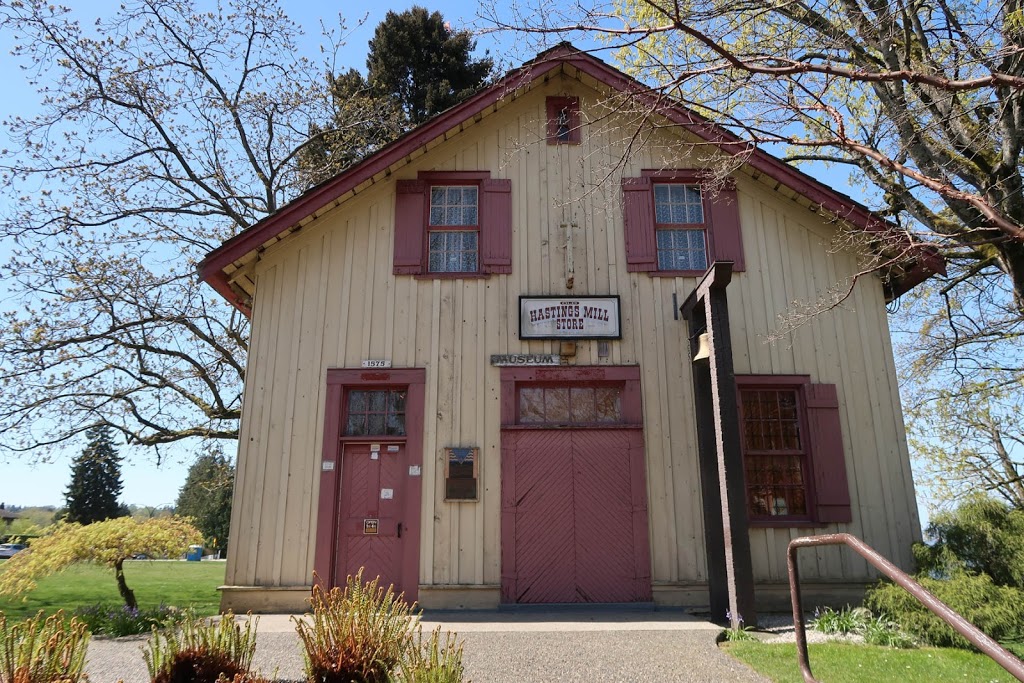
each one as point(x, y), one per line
point(972, 633)
point(798, 615)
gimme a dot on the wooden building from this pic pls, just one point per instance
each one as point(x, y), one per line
point(471, 367)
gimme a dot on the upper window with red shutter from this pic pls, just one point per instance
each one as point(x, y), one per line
point(453, 224)
point(674, 226)
point(793, 463)
point(563, 120)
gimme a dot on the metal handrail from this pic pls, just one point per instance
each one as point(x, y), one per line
point(965, 628)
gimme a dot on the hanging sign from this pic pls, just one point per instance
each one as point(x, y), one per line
point(569, 317)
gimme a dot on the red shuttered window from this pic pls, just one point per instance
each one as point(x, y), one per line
point(453, 224)
point(563, 120)
point(673, 226)
point(794, 467)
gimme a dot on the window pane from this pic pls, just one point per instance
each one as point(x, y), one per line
point(583, 409)
point(375, 423)
point(531, 405)
point(376, 412)
point(556, 406)
point(453, 251)
point(355, 425)
point(677, 204)
point(395, 424)
point(681, 250)
point(609, 404)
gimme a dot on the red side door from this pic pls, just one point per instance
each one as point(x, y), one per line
point(371, 525)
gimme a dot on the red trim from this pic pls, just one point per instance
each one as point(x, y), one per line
point(211, 268)
point(338, 380)
point(453, 177)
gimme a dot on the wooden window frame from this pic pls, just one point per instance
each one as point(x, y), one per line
point(412, 224)
point(445, 228)
point(827, 490)
point(626, 376)
point(722, 235)
point(798, 385)
point(555, 107)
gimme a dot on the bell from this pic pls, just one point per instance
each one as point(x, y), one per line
point(703, 347)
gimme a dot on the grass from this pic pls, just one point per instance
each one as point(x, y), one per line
point(181, 584)
point(850, 663)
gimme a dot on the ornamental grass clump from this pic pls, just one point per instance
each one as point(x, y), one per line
point(43, 650)
point(357, 635)
point(120, 620)
point(202, 651)
point(430, 661)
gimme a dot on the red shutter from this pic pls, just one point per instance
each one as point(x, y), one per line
point(638, 224)
point(496, 225)
point(725, 238)
point(831, 490)
point(410, 196)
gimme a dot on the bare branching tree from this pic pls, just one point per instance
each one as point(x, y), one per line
point(163, 130)
point(921, 102)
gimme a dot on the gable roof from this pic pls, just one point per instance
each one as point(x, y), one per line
point(221, 264)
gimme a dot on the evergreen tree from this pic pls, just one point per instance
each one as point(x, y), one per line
point(206, 497)
point(95, 480)
point(417, 59)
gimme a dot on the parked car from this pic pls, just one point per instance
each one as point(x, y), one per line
point(8, 550)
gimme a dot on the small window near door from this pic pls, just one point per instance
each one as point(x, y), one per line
point(375, 412)
point(554, 405)
point(460, 473)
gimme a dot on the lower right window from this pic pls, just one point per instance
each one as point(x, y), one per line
point(793, 462)
point(774, 457)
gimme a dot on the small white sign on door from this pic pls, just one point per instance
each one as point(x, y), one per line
point(414, 470)
point(387, 494)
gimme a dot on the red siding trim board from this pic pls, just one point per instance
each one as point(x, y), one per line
point(337, 381)
point(211, 268)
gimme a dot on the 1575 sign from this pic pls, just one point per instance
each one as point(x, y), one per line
point(577, 317)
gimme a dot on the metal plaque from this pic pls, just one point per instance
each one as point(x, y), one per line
point(371, 526)
point(376, 363)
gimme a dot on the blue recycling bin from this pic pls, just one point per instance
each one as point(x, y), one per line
point(195, 553)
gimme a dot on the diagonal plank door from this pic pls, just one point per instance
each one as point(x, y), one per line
point(575, 514)
point(365, 475)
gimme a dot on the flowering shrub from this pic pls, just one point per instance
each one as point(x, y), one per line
point(121, 620)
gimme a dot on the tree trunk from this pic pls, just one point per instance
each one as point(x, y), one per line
point(126, 593)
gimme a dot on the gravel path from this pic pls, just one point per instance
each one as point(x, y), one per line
point(640, 647)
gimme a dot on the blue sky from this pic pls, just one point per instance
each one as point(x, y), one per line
point(26, 482)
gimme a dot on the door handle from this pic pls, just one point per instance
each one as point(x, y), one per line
point(399, 530)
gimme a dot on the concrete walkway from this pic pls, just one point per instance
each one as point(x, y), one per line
point(605, 645)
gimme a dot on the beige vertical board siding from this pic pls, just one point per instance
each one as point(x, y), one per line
point(326, 297)
point(290, 562)
point(238, 570)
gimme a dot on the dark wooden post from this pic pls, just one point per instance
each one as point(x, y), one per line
point(726, 529)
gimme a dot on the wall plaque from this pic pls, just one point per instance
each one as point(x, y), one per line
point(512, 359)
point(569, 317)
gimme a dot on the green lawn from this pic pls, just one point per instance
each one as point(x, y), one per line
point(181, 584)
point(849, 663)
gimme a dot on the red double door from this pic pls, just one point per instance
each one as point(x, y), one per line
point(574, 516)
